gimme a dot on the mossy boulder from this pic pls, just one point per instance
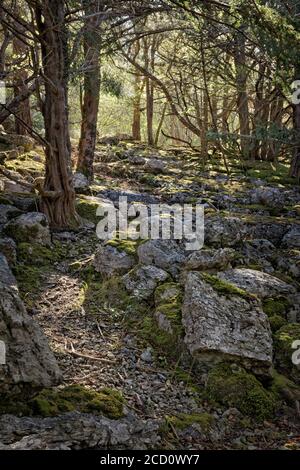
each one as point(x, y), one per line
point(168, 292)
point(285, 389)
point(277, 322)
point(87, 208)
point(233, 386)
point(284, 340)
point(52, 402)
point(276, 306)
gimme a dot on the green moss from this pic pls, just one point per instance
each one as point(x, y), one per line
point(284, 388)
point(182, 421)
point(36, 254)
point(225, 288)
point(129, 246)
point(276, 322)
point(163, 343)
point(234, 387)
point(276, 306)
point(283, 341)
point(87, 209)
point(29, 280)
point(51, 402)
point(168, 292)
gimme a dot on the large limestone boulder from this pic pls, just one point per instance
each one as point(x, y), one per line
point(143, 280)
point(110, 261)
point(257, 282)
point(268, 196)
point(32, 227)
point(29, 363)
point(80, 183)
point(166, 254)
point(221, 325)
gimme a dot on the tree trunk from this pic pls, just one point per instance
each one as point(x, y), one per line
point(58, 196)
point(136, 121)
point(20, 87)
point(87, 142)
point(276, 120)
point(242, 96)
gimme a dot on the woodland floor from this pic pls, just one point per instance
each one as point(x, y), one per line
point(94, 344)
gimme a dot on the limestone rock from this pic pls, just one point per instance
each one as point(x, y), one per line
point(220, 327)
point(224, 231)
point(257, 282)
point(110, 261)
point(210, 259)
point(31, 227)
point(165, 254)
point(73, 431)
point(80, 183)
point(30, 365)
point(143, 280)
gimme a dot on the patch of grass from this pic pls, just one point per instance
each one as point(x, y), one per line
point(276, 306)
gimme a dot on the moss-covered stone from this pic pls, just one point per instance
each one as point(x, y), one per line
point(283, 342)
point(37, 255)
point(234, 387)
point(183, 421)
point(51, 402)
point(226, 288)
point(284, 388)
point(168, 292)
point(87, 209)
point(129, 246)
point(276, 322)
point(275, 306)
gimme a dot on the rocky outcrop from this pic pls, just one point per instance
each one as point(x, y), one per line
point(292, 238)
point(257, 282)
point(143, 280)
point(205, 260)
point(224, 326)
point(29, 364)
point(30, 227)
point(9, 249)
point(166, 254)
point(73, 431)
point(110, 261)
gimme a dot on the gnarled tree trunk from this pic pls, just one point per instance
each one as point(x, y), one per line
point(87, 142)
point(58, 195)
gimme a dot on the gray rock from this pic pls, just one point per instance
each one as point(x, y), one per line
point(224, 231)
point(30, 365)
point(155, 165)
point(143, 280)
point(31, 227)
point(274, 232)
point(109, 261)
point(7, 212)
point(166, 254)
point(9, 249)
point(267, 196)
point(292, 238)
point(146, 355)
point(219, 327)
point(73, 431)
point(257, 282)
point(80, 183)
point(210, 259)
